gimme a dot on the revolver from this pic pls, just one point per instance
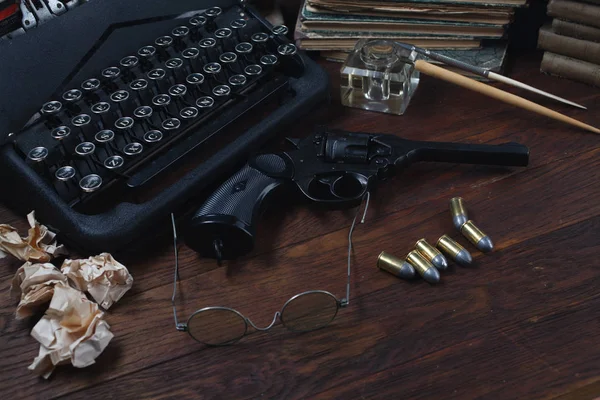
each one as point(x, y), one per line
point(329, 166)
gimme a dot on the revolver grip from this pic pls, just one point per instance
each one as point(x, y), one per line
point(224, 227)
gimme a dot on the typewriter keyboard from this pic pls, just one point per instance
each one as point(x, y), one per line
point(146, 110)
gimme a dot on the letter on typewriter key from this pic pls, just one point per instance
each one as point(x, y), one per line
point(205, 102)
point(133, 149)
point(114, 162)
point(90, 183)
point(170, 124)
point(188, 113)
point(153, 136)
point(280, 30)
point(65, 174)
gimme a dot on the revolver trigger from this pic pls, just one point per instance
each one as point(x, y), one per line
point(295, 142)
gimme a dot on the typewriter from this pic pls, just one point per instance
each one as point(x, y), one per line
point(101, 106)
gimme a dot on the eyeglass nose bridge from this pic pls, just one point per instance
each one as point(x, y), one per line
point(275, 318)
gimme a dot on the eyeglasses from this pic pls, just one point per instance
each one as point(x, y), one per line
point(304, 312)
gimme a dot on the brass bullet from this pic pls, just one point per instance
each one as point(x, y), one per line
point(432, 254)
point(395, 266)
point(477, 237)
point(459, 212)
point(454, 250)
point(423, 267)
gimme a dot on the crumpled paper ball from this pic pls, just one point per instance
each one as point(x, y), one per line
point(72, 330)
point(39, 246)
point(34, 285)
point(102, 276)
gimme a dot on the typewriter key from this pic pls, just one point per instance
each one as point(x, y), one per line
point(144, 114)
point(90, 85)
point(157, 76)
point(101, 109)
point(51, 107)
point(207, 45)
point(174, 65)
point(177, 92)
point(82, 121)
point(223, 33)
point(71, 97)
point(213, 12)
point(146, 53)
point(260, 37)
point(133, 149)
point(188, 113)
point(111, 73)
point(237, 80)
point(191, 55)
point(244, 48)
point(104, 136)
point(221, 90)
point(238, 23)
point(253, 70)
point(125, 125)
point(153, 136)
point(120, 98)
point(212, 68)
point(280, 30)
point(139, 87)
point(180, 33)
point(195, 79)
point(205, 102)
point(170, 124)
point(197, 22)
point(86, 150)
point(129, 62)
point(287, 49)
point(268, 59)
point(228, 58)
point(64, 174)
point(163, 43)
point(162, 101)
point(114, 162)
point(38, 154)
point(90, 183)
point(60, 132)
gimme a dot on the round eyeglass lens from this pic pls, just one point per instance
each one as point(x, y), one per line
point(309, 311)
point(217, 326)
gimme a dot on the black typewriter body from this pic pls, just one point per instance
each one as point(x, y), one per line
point(109, 99)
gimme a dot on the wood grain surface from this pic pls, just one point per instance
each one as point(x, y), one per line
point(523, 323)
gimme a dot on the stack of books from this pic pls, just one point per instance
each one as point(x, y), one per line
point(334, 26)
point(572, 42)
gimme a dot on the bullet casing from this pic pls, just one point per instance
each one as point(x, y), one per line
point(459, 212)
point(395, 266)
point(454, 250)
point(432, 254)
point(477, 237)
point(423, 267)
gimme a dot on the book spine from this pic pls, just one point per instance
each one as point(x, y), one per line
point(577, 12)
point(578, 31)
point(571, 68)
point(568, 46)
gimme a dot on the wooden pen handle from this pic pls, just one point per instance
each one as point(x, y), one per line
point(467, 83)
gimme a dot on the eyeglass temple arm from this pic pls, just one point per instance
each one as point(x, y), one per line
point(178, 326)
point(367, 195)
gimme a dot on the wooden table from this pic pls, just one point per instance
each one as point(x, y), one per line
point(523, 323)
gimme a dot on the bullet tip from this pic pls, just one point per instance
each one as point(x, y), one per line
point(464, 258)
point(440, 262)
point(459, 221)
point(407, 271)
point(432, 275)
point(485, 244)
